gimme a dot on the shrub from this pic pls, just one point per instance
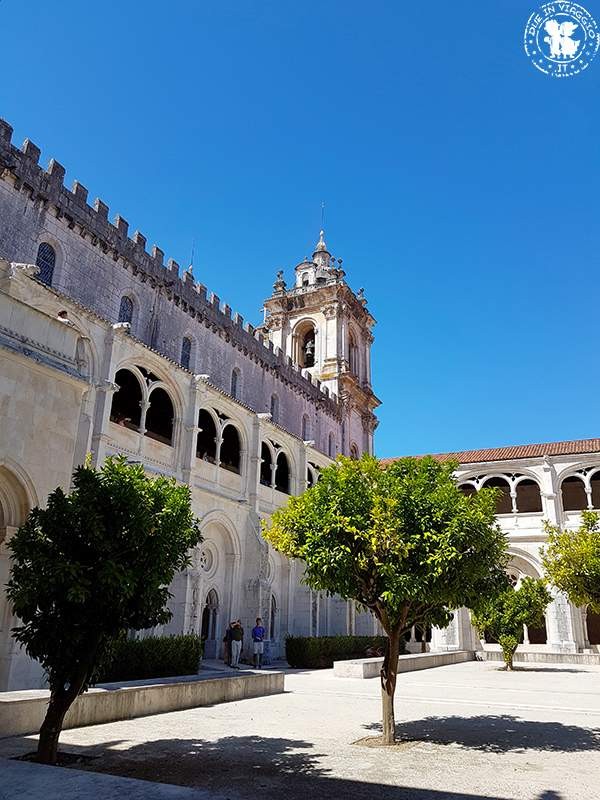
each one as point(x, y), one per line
point(153, 657)
point(319, 652)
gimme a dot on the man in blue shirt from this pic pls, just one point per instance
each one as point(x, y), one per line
point(258, 636)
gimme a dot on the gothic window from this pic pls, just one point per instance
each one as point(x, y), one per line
point(573, 492)
point(310, 478)
point(159, 417)
point(126, 407)
point(282, 474)
point(46, 261)
point(206, 443)
point(230, 455)
point(331, 446)
point(504, 500)
point(273, 618)
point(126, 309)
point(529, 499)
point(235, 383)
point(186, 352)
point(274, 408)
point(354, 452)
point(305, 428)
point(266, 462)
point(209, 616)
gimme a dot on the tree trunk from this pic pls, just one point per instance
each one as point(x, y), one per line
point(52, 726)
point(389, 670)
point(60, 702)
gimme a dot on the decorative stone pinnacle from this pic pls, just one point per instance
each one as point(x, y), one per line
point(279, 286)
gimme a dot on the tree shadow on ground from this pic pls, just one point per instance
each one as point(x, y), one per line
point(248, 768)
point(498, 733)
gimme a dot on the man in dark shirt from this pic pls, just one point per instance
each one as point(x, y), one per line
point(258, 637)
point(237, 637)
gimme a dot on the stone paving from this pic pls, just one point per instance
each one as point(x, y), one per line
point(467, 731)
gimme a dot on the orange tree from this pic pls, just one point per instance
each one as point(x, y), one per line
point(403, 542)
point(93, 564)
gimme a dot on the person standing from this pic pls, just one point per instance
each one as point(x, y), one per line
point(227, 644)
point(258, 639)
point(237, 638)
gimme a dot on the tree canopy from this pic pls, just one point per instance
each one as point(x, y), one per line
point(94, 563)
point(402, 541)
point(572, 560)
point(503, 615)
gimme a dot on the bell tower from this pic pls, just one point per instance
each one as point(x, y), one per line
point(325, 328)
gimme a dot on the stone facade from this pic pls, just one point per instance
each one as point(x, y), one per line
point(104, 349)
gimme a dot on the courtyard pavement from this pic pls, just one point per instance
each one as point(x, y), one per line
point(468, 731)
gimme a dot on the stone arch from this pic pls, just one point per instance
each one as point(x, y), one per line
point(218, 530)
point(126, 403)
point(573, 493)
point(17, 496)
point(525, 565)
point(500, 481)
point(160, 417)
point(304, 343)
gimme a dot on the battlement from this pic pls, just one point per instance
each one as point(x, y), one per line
point(47, 186)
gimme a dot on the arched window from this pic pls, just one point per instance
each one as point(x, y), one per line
point(310, 478)
point(353, 354)
point(266, 462)
point(159, 417)
point(304, 344)
point(504, 501)
point(282, 474)
point(230, 454)
point(273, 618)
point(209, 616)
point(529, 499)
point(126, 408)
point(573, 492)
point(467, 488)
point(274, 408)
point(305, 279)
point(331, 446)
point(206, 443)
point(46, 261)
point(186, 352)
point(126, 309)
point(305, 428)
point(235, 383)
point(595, 485)
point(354, 451)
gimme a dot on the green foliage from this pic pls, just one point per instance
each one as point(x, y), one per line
point(572, 560)
point(95, 563)
point(504, 614)
point(319, 652)
point(403, 541)
point(152, 657)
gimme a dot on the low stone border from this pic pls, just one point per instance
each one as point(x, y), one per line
point(23, 712)
point(544, 657)
point(371, 667)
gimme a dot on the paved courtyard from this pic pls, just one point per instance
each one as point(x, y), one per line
point(468, 731)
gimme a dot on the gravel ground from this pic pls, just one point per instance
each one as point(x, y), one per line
point(466, 731)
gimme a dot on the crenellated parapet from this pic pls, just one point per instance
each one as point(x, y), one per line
point(70, 205)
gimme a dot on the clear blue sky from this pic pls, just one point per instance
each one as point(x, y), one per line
point(461, 184)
